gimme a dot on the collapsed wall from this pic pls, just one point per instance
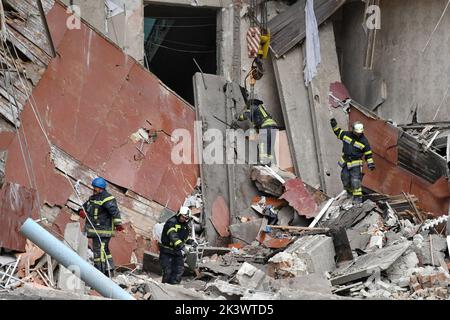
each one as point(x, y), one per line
point(92, 113)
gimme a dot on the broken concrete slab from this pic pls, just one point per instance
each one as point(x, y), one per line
point(289, 294)
point(432, 251)
point(357, 239)
point(309, 254)
point(73, 237)
point(250, 277)
point(260, 295)
point(285, 216)
point(265, 182)
point(317, 251)
point(370, 263)
point(314, 282)
point(403, 267)
point(216, 267)
point(163, 291)
point(352, 216)
point(245, 232)
point(33, 292)
point(223, 288)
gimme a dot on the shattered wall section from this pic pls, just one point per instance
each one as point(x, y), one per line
point(415, 80)
point(391, 177)
point(93, 101)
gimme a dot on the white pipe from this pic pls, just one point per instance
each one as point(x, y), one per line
point(69, 259)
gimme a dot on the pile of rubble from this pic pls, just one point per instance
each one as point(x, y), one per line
point(300, 244)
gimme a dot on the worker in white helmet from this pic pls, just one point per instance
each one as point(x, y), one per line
point(355, 148)
point(173, 238)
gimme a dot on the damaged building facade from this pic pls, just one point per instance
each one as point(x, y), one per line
point(102, 96)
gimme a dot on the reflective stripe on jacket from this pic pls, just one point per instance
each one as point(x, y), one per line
point(174, 234)
point(354, 148)
point(259, 116)
point(103, 212)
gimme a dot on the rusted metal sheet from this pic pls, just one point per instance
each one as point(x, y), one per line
point(339, 92)
point(17, 203)
point(220, 217)
point(391, 178)
point(123, 245)
point(299, 198)
point(93, 123)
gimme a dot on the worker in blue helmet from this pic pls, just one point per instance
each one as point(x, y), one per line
point(103, 220)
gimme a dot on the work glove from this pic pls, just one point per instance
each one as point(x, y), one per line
point(119, 227)
point(371, 167)
point(82, 213)
point(333, 122)
point(234, 124)
point(183, 251)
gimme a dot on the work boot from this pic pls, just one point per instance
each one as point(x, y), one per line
point(357, 201)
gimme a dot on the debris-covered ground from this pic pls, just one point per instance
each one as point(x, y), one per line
point(300, 245)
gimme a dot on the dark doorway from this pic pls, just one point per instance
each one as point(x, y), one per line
point(174, 37)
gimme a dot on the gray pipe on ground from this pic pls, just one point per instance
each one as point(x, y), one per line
point(69, 259)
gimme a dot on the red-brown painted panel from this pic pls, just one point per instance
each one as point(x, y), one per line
point(17, 203)
point(91, 99)
point(299, 198)
point(123, 245)
point(220, 217)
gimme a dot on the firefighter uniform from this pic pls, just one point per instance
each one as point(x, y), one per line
point(104, 214)
point(354, 149)
point(173, 239)
point(267, 129)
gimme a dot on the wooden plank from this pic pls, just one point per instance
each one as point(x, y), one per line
point(50, 269)
point(288, 28)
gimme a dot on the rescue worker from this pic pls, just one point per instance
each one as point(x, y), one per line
point(172, 247)
point(355, 148)
point(103, 220)
point(266, 127)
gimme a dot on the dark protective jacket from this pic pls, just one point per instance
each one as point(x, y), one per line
point(354, 148)
point(174, 236)
point(259, 116)
point(103, 212)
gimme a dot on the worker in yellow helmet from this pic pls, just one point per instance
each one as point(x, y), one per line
point(355, 148)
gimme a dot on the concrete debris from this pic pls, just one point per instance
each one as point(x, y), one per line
point(285, 216)
point(370, 263)
point(77, 241)
point(245, 232)
point(267, 183)
point(314, 282)
point(250, 277)
point(230, 291)
point(402, 268)
point(310, 254)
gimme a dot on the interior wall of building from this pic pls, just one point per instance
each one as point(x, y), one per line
point(416, 80)
point(125, 29)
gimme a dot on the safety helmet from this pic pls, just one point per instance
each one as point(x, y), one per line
point(255, 102)
point(358, 127)
point(185, 212)
point(99, 183)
